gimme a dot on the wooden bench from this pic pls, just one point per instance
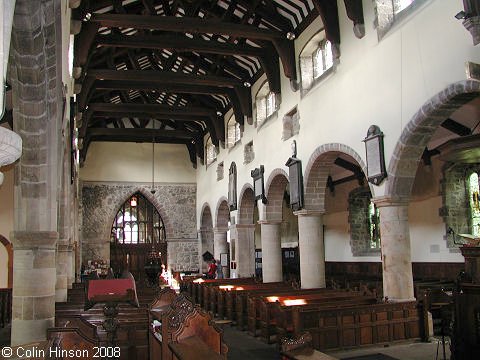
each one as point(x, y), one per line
point(181, 321)
point(357, 325)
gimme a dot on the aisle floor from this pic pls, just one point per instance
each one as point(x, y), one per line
point(245, 347)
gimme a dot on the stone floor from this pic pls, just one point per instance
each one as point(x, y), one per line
point(245, 347)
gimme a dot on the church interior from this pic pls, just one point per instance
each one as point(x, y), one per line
point(176, 175)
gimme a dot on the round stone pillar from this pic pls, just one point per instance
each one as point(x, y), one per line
point(34, 278)
point(245, 250)
point(271, 251)
point(396, 253)
point(220, 246)
point(312, 250)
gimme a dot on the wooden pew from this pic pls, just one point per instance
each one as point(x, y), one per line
point(184, 328)
point(357, 325)
point(265, 311)
point(205, 289)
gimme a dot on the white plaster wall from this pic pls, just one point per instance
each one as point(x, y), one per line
point(377, 82)
point(110, 161)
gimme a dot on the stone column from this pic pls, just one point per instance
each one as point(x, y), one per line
point(245, 250)
point(37, 113)
point(396, 254)
point(312, 249)
point(220, 246)
point(34, 275)
point(62, 265)
point(271, 251)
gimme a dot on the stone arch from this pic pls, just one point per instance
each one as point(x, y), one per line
point(275, 188)
point(222, 213)
point(150, 197)
point(317, 171)
point(9, 247)
point(418, 132)
point(206, 217)
point(246, 205)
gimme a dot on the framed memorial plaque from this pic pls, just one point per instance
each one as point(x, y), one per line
point(232, 187)
point(374, 150)
point(258, 184)
point(295, 179)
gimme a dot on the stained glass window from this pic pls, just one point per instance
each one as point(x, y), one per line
point(138, 222)
point(322, 59)
point(233, 132)
point(474, 203)
point(266, 103)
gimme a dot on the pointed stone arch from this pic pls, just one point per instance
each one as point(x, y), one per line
point(418, 132)
point(275, 188)
point(318, 169)
point(9, 247)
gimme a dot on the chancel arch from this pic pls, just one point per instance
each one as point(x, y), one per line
point(221, 231)
point(137, 236)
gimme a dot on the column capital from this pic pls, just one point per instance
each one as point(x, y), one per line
point(269, 222)
point(220, 230)
point(244, 226)
point(23, 240)
point(205, 229)
point(383, 201)
point(305, 212)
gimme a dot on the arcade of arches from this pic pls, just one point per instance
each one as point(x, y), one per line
point(85, 195)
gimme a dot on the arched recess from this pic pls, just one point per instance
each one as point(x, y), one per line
point(220, 235)
point(222, 213)
point(206, 233)
point(247, 233)
point(418, 132)
point(137, 236)
point(275, 190)
point(318, 169)
point(9, 247)
point(246, 205)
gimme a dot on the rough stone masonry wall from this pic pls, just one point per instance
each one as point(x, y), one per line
point(176, 204)
point(358, 202)
point(455, 210)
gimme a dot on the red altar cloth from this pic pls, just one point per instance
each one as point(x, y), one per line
point(111, 290)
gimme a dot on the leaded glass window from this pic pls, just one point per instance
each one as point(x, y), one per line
point(233, 132)
point(374, 225)
point(210, 151)
point(474, 203)
point(266, 103)
point(322, 59)
point(138, 222)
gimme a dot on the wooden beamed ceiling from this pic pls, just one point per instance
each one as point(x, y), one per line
point(169, 70)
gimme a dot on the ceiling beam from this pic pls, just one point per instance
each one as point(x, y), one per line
point(328, 11)
point(185, 25)
point(147, 135)
point(456, 128)
point(355, 13)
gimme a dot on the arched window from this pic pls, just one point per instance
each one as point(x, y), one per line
point(266, 103)
point(316, 59)
point(473, 190)
point(233, 132)
point(210, 151)
point(138, 222)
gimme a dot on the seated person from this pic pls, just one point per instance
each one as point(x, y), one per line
point(212, 270)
